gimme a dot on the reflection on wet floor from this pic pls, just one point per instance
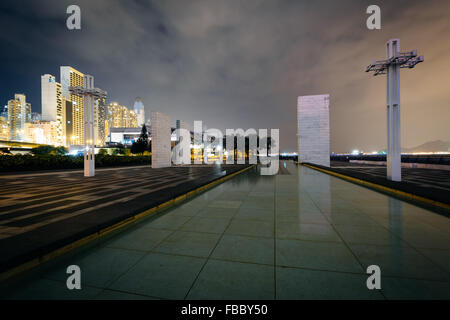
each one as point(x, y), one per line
point(300, 234)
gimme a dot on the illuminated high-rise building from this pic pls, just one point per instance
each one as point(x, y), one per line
point(14, 120)
point(114, 115)
point(19, 113)
point(71, 77)
point(36, 116)
point(4, 112)
point(52, 105)
point(130, 119)
point(4, 129)
point(107, 130)
point(139, 109)
point(42, 132)
point(121, 117)
point(99, 122)
point(68, 122)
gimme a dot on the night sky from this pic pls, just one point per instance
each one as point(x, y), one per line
point(240, 64)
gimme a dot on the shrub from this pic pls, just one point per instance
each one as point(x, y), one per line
point(118, 151)
point(46, 149)
point(51, 162)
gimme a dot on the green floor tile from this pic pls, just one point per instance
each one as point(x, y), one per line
point(245, 249)
point(119, 295)
point(409, 289)
point(211, 225)
point(296, 217)
point(189, 243)
point(139, 239)
point(306, 231)
point(161, 276)
point(328, 256)
point(225, 213)
point(188, 211)
point(46, 289)
point(255, 214)
point(251, 228)
point(295, 284)
point(99, 266)
point(424, 237)
point(233, 195)
point(350, 219)
point(234, 281)
point(232, 204)
point(438, 256)
point(399, 261)
point(258, 204)
point(375, 235)
point(167, 222)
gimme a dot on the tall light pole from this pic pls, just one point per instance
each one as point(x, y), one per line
point(89, 94)
point(391, 67)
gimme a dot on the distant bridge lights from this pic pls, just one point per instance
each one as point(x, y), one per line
point(391, 67)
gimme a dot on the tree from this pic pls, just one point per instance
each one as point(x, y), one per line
point(118, 151)
point(141, 144)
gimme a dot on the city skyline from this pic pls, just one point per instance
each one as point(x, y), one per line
point(61, 122)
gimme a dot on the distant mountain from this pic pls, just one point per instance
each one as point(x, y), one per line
point(430, 146)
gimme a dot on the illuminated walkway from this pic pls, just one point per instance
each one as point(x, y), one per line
point(299, 235)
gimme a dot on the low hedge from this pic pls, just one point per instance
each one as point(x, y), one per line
point(10, 163)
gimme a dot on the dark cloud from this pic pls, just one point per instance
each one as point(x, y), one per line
point(240, 63)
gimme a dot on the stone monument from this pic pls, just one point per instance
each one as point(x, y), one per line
point(313, 123)
point(160, 133)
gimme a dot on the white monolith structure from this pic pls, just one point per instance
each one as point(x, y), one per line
point(160, 135)
point(313, 124)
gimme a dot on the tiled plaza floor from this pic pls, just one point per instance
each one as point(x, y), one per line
point(423, 177)
point(40, 212)
point(432, 184)
point(297, 235)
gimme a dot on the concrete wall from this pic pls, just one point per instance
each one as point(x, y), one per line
point(313, 123)
point(161, 153)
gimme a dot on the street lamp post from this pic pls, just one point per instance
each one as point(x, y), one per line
point(89, 94)
point(391, 67)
